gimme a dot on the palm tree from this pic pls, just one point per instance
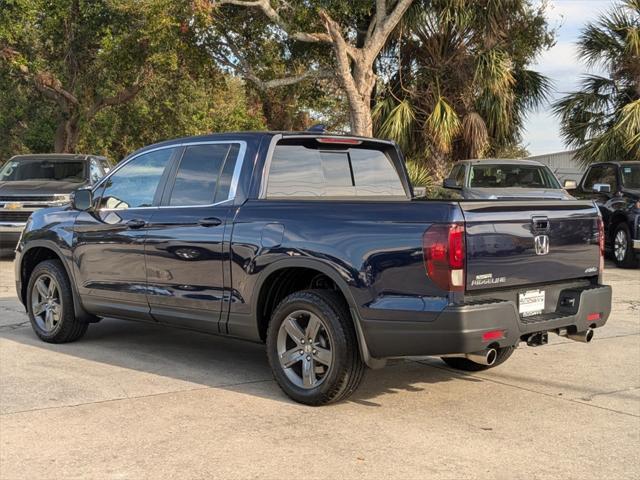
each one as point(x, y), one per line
point(602, 119)
point(462, 87)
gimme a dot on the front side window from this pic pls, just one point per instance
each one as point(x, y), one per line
point(204, 174)
point(605, 174)
point(135, 184)
point(26, 169)
point(512, 176)
point(306, 170)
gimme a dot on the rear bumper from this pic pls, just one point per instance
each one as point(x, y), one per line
point(460, 328)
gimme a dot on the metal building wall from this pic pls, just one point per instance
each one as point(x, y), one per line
point(563, 164)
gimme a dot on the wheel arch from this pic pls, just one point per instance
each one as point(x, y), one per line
point(266, 291)
point(37, 252)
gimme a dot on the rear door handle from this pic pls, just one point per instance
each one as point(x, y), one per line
point(209, 222)
point(135, 223)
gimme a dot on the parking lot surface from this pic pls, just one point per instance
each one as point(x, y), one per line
point(135, 401)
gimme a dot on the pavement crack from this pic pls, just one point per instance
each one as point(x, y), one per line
point(578, 401)
point(588, 398)
point(135, 397)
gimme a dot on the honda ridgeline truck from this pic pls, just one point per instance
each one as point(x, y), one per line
point(313, 244)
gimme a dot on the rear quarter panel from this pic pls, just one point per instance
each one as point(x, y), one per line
point(374, 247)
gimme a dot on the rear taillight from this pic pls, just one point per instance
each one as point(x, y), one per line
point(444, 255)
point(601, 242)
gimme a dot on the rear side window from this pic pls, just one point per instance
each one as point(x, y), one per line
point(306, 170)
point(204, 174)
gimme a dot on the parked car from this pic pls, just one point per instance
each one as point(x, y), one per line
point(615, 187)
point(499, 179)
point(30, 182)
point(314, 244)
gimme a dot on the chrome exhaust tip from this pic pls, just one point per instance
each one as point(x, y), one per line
point(483, 357)
point(584, 337)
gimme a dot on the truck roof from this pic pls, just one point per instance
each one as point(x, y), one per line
point(617, 162)
point(55, 156)
point(253, 137)
point(504, 161)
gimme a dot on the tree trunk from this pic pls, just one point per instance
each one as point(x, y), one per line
point(358, 82)
point(361, 122)
point(67, 134)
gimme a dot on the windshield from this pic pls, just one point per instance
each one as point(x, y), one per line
point(38, 169)
point(512, 176)
point(631, 176)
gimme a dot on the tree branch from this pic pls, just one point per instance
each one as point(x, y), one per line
point(384, 26)
point(123, 96)
point(243, 68)
point(274, 16)
point(344, 53)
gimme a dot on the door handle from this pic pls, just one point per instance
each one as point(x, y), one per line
point(209, 222)
point(136, 223)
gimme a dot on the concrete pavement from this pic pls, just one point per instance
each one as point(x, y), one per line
point(134, 401)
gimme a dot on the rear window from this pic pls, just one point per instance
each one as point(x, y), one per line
point(307, 169)
point(511, 176)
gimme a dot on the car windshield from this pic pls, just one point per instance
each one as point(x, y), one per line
point(39, 169)
point(631, 176)
point(512, 176)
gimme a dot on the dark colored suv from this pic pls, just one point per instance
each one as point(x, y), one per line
point(615, 187)
point(30, 182)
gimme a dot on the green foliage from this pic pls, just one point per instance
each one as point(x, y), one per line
point(461, 69)
point(602, 119)
point(110, 76)
point(171, 107)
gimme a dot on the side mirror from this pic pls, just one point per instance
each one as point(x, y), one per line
point(450, 183)
point(570, 185)
point(602, 188)
point(82, 199)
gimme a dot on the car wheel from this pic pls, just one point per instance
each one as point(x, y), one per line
point(312, 348)
point(461, 363)
point(623, 253)
point(50, 304)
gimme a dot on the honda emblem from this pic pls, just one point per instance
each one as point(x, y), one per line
point(541, 243)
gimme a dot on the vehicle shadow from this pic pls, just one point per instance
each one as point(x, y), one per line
point(199, 360)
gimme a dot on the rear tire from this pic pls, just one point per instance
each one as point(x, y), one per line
point(50, 304)
point(327, 369)
point(623, 253)
point(461, 363)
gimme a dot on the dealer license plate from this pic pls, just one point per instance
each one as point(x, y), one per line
point(531, 302)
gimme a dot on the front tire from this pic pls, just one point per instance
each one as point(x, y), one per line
point(623, 253)
point(50, 304)
point(312, 348)
point(461, 363)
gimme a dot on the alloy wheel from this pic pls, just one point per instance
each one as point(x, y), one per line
point(620, 245)
point(304, 349)
point(45, 303)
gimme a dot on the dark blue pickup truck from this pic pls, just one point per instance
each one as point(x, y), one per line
point(313, 244)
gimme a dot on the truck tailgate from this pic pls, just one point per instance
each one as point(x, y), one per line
point(511, 243)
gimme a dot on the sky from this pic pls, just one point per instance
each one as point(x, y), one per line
point(562, 65)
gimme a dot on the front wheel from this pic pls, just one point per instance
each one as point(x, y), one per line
point(50, 304)
point(623, 252)
point(312, 348)
point(461, 363)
